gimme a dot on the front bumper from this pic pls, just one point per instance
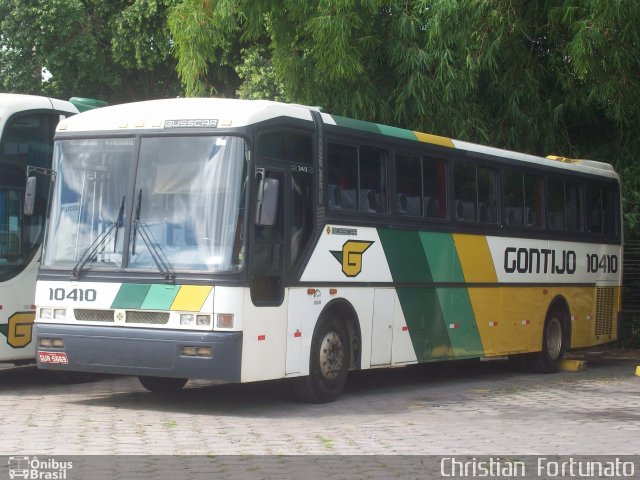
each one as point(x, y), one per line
point(142, 352)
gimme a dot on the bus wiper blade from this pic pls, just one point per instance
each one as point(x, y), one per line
point(136, 223)
point(91, 250)
point(118, 225)
point(159, 257)
point(98, 242)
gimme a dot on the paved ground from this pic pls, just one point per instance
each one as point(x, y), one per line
point(471, 408)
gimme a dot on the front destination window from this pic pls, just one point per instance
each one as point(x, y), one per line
point(185, 212)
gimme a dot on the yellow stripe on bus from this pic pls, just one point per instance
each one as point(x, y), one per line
point(435, 139)
point(475, 258)
point(191, 298)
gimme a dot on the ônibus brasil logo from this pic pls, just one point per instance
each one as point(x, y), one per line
point(35, 469)
point(351, 256)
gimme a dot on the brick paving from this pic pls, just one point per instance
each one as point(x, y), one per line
point(470, 408)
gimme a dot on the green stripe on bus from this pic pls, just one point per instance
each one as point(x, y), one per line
point(405, 256)
point(160, 297)
point(374, 128)
point(427, 326)
point(397, 132)
point(441, 321)
point(460, 322)
point(442, 257)
point(4, 329)
point(130, 295)
point(356, 124)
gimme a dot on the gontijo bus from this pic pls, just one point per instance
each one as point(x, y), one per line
point(251, 240)
point(27, 126)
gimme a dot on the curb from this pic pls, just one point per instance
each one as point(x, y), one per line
point(573, 365)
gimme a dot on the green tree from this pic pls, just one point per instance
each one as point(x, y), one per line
point(544, 77)
point(117, 50)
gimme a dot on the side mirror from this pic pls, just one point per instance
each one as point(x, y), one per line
point(30, 196)
point(267, 201)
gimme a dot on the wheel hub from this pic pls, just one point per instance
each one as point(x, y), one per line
point(331, 356)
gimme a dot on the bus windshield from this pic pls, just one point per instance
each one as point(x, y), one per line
point(26, 140)
point(187, 204)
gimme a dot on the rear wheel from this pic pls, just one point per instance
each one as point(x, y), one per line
point(162, 384)
point(328, 365)
point(554, 343)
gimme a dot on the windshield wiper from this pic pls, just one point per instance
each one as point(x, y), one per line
point(156, 252)
point(99, 241)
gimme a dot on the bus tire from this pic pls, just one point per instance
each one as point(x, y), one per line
point(330, 357)
point(554, 343)
point(162, 384)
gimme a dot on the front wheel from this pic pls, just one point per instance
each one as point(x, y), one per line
point(162, 384)
point(329, 363)
point(554, 344)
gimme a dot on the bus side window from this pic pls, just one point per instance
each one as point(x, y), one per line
point(600, 209)
point(522, 200)
point(342, 177)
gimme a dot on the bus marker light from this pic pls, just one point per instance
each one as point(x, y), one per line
point(525, 322)
point(297, 334)
point(262, 337)
point(454, 325)
point(493, 324)
point(333, 291)
point(311, 291)
point(405, 328)
point(224, 320)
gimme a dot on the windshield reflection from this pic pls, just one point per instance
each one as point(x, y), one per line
point(188, 206)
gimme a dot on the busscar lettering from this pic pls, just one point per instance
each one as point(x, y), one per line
point(539, 260)
point(191, 123)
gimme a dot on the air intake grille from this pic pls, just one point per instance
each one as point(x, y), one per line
point(149, 318)
point(605, 310)
point(93, 315)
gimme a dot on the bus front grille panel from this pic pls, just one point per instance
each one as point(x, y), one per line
point(605, 310)
point(86, 315)
point(149, 318)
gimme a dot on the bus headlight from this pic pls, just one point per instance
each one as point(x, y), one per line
point(187, 318)
point(46, 313)
point(203, 320)
point(59, 313)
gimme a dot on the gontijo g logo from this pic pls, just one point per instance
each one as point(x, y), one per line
point(351, 256)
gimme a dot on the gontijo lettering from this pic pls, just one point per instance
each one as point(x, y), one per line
point(539, 260)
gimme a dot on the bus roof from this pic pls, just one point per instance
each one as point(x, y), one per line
point(11, 103)
point(220, 112)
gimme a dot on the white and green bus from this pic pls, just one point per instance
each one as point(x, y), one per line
point(27, 127)
point(251, 240)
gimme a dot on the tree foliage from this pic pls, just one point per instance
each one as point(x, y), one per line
point(544, 77)
point(116, 50)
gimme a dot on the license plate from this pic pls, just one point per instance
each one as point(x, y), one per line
point(53, 357)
